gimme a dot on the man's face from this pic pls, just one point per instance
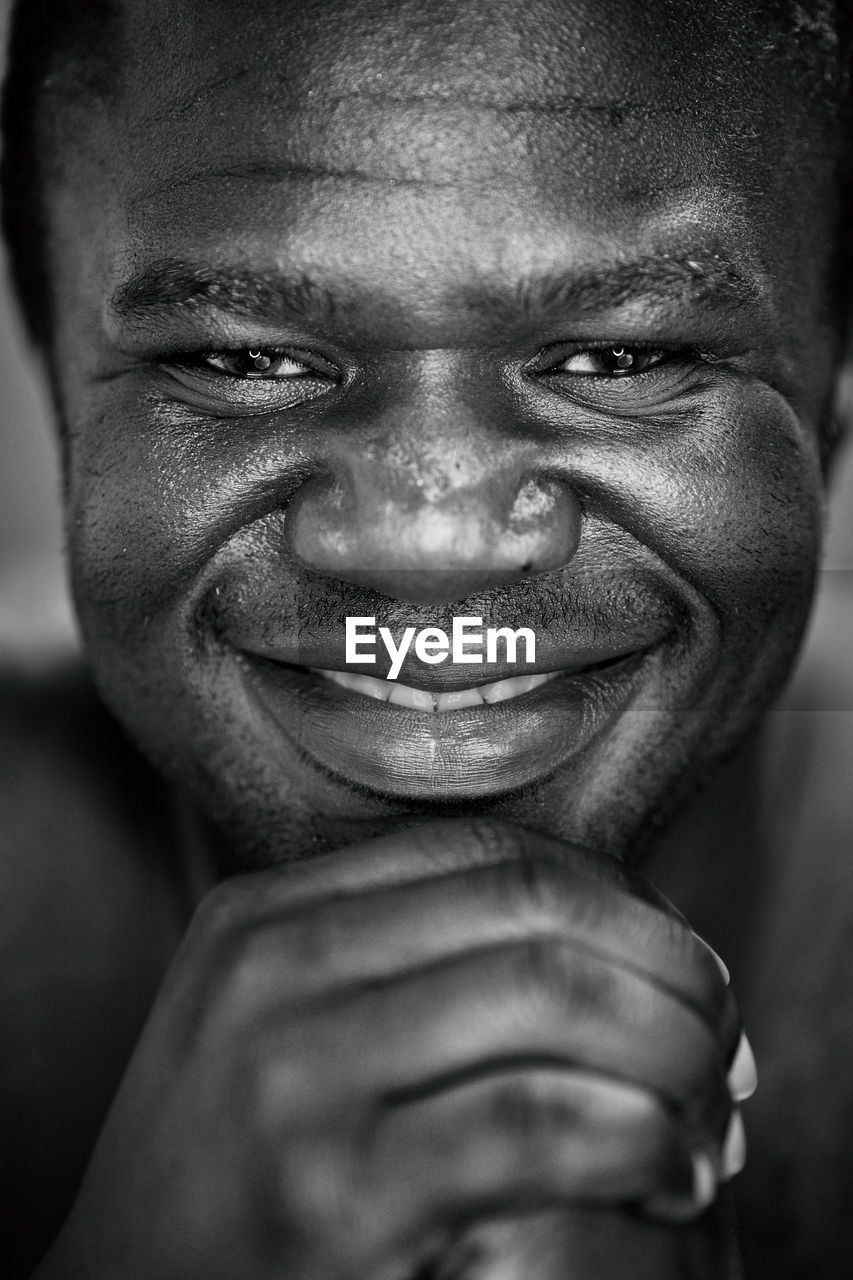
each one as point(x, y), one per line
point(537, 299)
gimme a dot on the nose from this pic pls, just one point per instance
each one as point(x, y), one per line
point(407, 535)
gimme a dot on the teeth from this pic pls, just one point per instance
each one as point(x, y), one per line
point(511, 688)
point(460, 698)
point(380, 689)
point(403, 695)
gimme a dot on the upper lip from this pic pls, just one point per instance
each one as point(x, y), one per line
point(576, 627)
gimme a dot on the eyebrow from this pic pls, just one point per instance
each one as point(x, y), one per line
point(712, 280)
point(171, 285)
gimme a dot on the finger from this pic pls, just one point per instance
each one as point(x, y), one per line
point(427, 851)
point(525, 1139)
point(743, 1072)
point(365, 938)
point(522, 1002)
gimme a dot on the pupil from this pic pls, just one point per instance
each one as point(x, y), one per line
point(623, 358)
point(260, 361)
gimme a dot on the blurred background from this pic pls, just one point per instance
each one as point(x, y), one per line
point(35, 617)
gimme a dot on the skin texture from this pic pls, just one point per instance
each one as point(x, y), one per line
point(437, 216)
point(305, 1101)
point(209, 520)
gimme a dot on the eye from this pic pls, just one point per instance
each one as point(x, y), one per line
point(267, 363)
point(254, 379)
point(610, 362)
point(622, 377)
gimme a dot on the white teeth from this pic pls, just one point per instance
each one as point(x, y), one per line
point(403, 695)
point(511, 688)
point(380, 689)
point(460, 698)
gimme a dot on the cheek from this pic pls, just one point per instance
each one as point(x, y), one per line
point(746, 505)
point(152, 499)
point(735, 505)
point(125, 528)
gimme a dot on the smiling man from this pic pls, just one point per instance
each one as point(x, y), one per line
point(434, 318)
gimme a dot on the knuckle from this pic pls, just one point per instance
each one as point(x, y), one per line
point(289, 1086)
point(310, 1184)
point(534, 1118)
point(526, 892)
point(529, 1104)
point(537, 967)
point(531, 887)
point(493, 841)
point(593, 988)
point(232, 984)
point(241, 971)
point(325, 1215)
point(221, 908)
point(550, 970)
point(514, 1107)
point(201, 977)
point(313, 937)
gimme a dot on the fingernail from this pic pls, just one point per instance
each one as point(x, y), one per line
point(734, 1147)
point(704, 1180)
point(743, 1073)
point(721, 964)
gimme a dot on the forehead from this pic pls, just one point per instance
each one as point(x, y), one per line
point(628, 54)
point(496, 135)
point(410, 90)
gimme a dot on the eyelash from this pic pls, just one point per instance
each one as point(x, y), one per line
point(262, 358)
point(627, 356)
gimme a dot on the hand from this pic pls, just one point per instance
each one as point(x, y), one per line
point(588, 1242)
point(354, 1057)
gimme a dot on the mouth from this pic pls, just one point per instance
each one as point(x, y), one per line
point(404, 695)
point(395, 740)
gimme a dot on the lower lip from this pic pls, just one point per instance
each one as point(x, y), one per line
point(476, 751)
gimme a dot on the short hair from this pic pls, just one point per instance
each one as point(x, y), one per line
point(68, 52)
